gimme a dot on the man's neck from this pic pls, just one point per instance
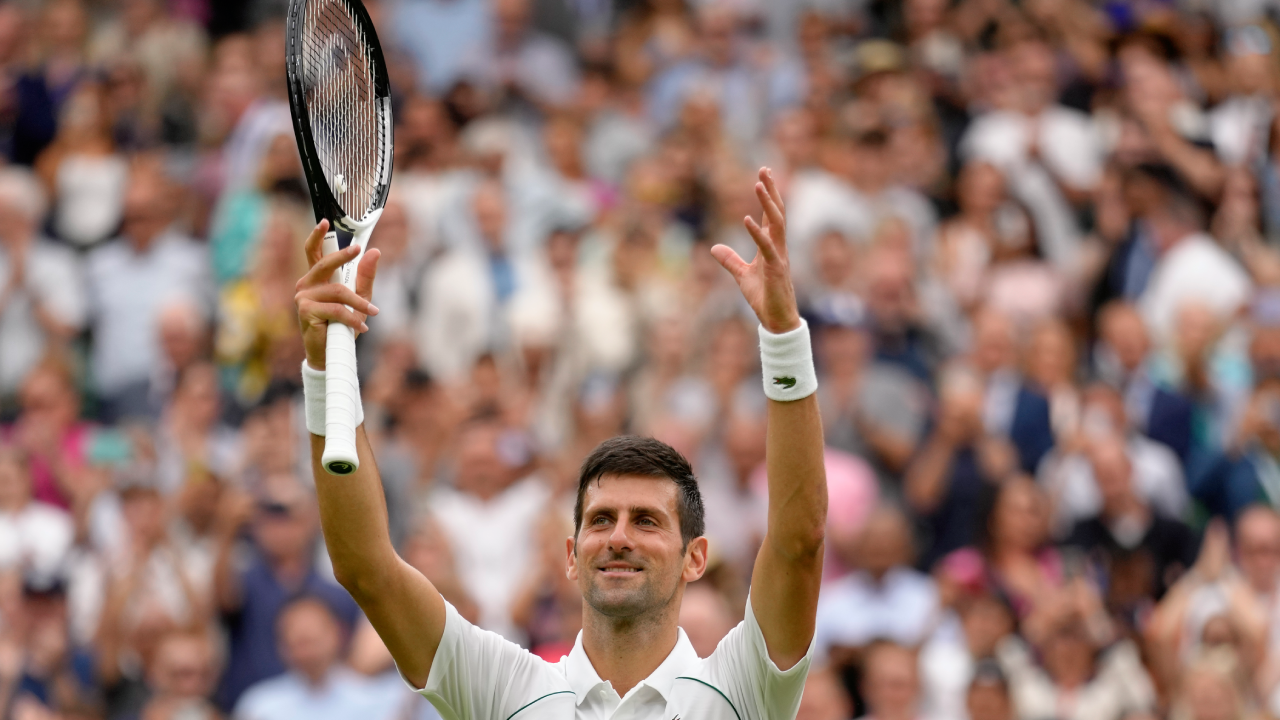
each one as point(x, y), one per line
point(625, 652)
point(142, 242)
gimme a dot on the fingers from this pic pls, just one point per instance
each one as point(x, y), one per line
point(322, 271)
point(772, 209)
point(335, 293)
point(766, 177)
point(315, 242)
point(729, 260)
point(762, 239)
point(365, 273)
point(332, 312)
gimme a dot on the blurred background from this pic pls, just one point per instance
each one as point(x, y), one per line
point(1038, 243)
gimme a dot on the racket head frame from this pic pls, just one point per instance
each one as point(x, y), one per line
point(323, 201)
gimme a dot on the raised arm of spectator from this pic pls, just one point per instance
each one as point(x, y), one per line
point(403, 606)
point(788, 568)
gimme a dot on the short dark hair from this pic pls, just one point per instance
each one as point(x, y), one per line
point(645, 457)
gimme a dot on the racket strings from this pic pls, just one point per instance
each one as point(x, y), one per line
point(346, 115)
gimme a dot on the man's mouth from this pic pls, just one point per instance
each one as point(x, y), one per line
point(619, 569)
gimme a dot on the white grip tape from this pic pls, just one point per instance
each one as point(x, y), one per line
point(342, 398)
point(313, 397)
point(787, 362)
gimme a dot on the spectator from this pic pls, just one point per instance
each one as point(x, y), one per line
point(871, 408)
point(1080, 676)
point(1068, 475)
point(891, 684)
point(48, 671)
point(130, 279)
point(1212, 606)
point(1012, 558)
point(250, 594)
point(956, 466)
point(1131, 541)
point(149, 587)
point(40, 93)
point(438, 33)
point(193, 440)
point(1122, 358)
point(824, 697)
point(958, 653)
point(489, 518)
point(1048, 152)
point(42, 304)
point(181, 676)
point(34, 536)
point(84, 171)
point(1012, 408)
point(706, 617)
point(988, 696)
point(316, 685)
point(58, 445)
point(883, 598)
point(1190, 266)
point(466, 293)
point(257, 335)
point(516, 62)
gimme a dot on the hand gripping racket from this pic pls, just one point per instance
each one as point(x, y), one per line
point(340, 99)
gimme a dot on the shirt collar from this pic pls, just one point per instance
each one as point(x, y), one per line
point(583, 677)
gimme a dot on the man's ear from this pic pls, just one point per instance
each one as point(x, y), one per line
point(571, 562)
point(695, 559)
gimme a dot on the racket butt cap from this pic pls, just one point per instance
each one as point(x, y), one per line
point(340, 467)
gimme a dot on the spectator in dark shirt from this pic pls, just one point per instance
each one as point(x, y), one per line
point(957, 468)
point(280, 567)
point(1121, 360)
point(1142, 552)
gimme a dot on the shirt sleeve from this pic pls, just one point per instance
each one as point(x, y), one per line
point(756, 687)
point(480, 675)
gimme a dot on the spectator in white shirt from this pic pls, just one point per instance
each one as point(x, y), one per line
point(884, 599)
point(317, 686)
point(490, 518)
point(42, 299)
point(1191, 267)
point(130, 280)
point(1067, 475)
point(1048, 153)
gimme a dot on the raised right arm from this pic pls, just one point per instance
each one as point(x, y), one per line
point(403, 606)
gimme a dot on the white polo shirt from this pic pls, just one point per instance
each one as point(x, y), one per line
point(479, 675)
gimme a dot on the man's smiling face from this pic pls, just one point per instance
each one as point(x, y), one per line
point(631, 559)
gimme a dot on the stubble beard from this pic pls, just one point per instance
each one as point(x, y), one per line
point(647, 599)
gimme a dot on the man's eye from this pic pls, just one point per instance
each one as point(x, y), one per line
point(600, 520)
point(646, 521)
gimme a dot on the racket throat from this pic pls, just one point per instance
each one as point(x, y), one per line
point(344, 237)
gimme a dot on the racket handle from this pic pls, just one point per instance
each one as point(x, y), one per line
point(342, 392)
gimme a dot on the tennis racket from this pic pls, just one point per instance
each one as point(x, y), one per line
point(340, 99)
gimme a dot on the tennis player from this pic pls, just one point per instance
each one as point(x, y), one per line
point(637, 542)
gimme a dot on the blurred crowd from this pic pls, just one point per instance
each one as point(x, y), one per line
point(1037, 242)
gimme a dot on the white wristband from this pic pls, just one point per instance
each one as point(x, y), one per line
point(787, 361)
point(313, 399)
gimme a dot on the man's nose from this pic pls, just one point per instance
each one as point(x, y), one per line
point(620, 539)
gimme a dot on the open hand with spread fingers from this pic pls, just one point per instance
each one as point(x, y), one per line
point(320, 300)
point(766, 281)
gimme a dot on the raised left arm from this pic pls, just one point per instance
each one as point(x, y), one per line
point(788, 568)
